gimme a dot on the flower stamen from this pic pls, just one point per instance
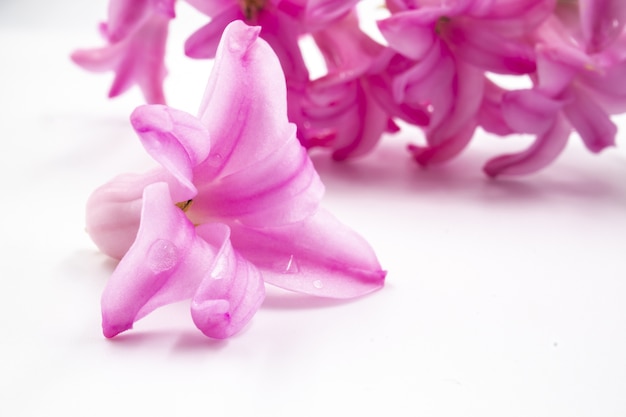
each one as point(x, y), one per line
point(251, 8)
point(441, 24)
point(184, 205)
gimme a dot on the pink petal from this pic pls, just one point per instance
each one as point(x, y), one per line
point(257, 171)
point(380, 87)
point(529, 111)
point(371, 121)
point(340, 105)
point(602, 21)
point(407, 34)
point(468, 84)
point(124, 16)
point(114, 209)
point(98, 59)
point(175, 139)
point(321, 12)
point(608, 81)
point(510, 18)
point(557, 67)
point(203, 42)
point(231, 293)
point(546, 148)
point(591, 122)
point(429, 83)
point(282, 32)
point(349, 113)
point(165, 7)
point(211, 8)
point(244, 105)
point(501, 9)
point(281, 188)
point(445, 150)
point(347, 50)
point(489, 50)
point(137, 59)
point(165, 264)
point(448, 138)
point(318, 256)
point(490, 115)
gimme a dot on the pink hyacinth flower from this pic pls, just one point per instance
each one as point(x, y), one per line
point(242, 179)
point(341, 111)
point(443, 50)
point(170, 261)
point(574, 90)
point(136, 32)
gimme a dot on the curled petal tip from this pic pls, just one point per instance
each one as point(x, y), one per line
point(491, 170)
point(150, 117)
point(241, 36)
point(111, 330)
point(213, 318)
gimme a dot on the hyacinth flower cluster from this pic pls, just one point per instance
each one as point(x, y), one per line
point(434, 69)
point(233, 204)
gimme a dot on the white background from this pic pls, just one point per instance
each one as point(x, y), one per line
point(503, 298)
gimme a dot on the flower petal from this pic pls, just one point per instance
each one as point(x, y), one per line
point(114, 209)
point(204, 41)
point(489, 50)
point(175, 139)
point(137, 59)
point(165, 264)
point(408, 34)
point(591, 122)
point(232, 292)
point(281, 188)
point(541, 153)
point(124, 16)
point(257, 171)
point(445, 150)
point(210, 7)
point(602, 21)
point(244, 105)
point(529, 111)
point(321, 12)
point(490, 115)
point(318, 256)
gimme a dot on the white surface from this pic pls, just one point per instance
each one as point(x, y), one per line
point(503, 298)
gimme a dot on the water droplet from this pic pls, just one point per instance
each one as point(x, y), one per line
point(292, 266)
point(215, 159)
point(163, 255)
point(218, 271)
point(318, 284)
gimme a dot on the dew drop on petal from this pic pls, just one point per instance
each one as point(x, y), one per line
point(163, 255)
point(292, 266)
point(318, 284)
point(214, 160)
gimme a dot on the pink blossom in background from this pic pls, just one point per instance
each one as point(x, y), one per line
point(136, 33)
point(434, 70)
point(234, 204)
point(341, 112)
point(576, 88)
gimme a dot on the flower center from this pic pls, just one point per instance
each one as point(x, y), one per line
point(441, 24)
point(184, 205)
point(251, 8)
